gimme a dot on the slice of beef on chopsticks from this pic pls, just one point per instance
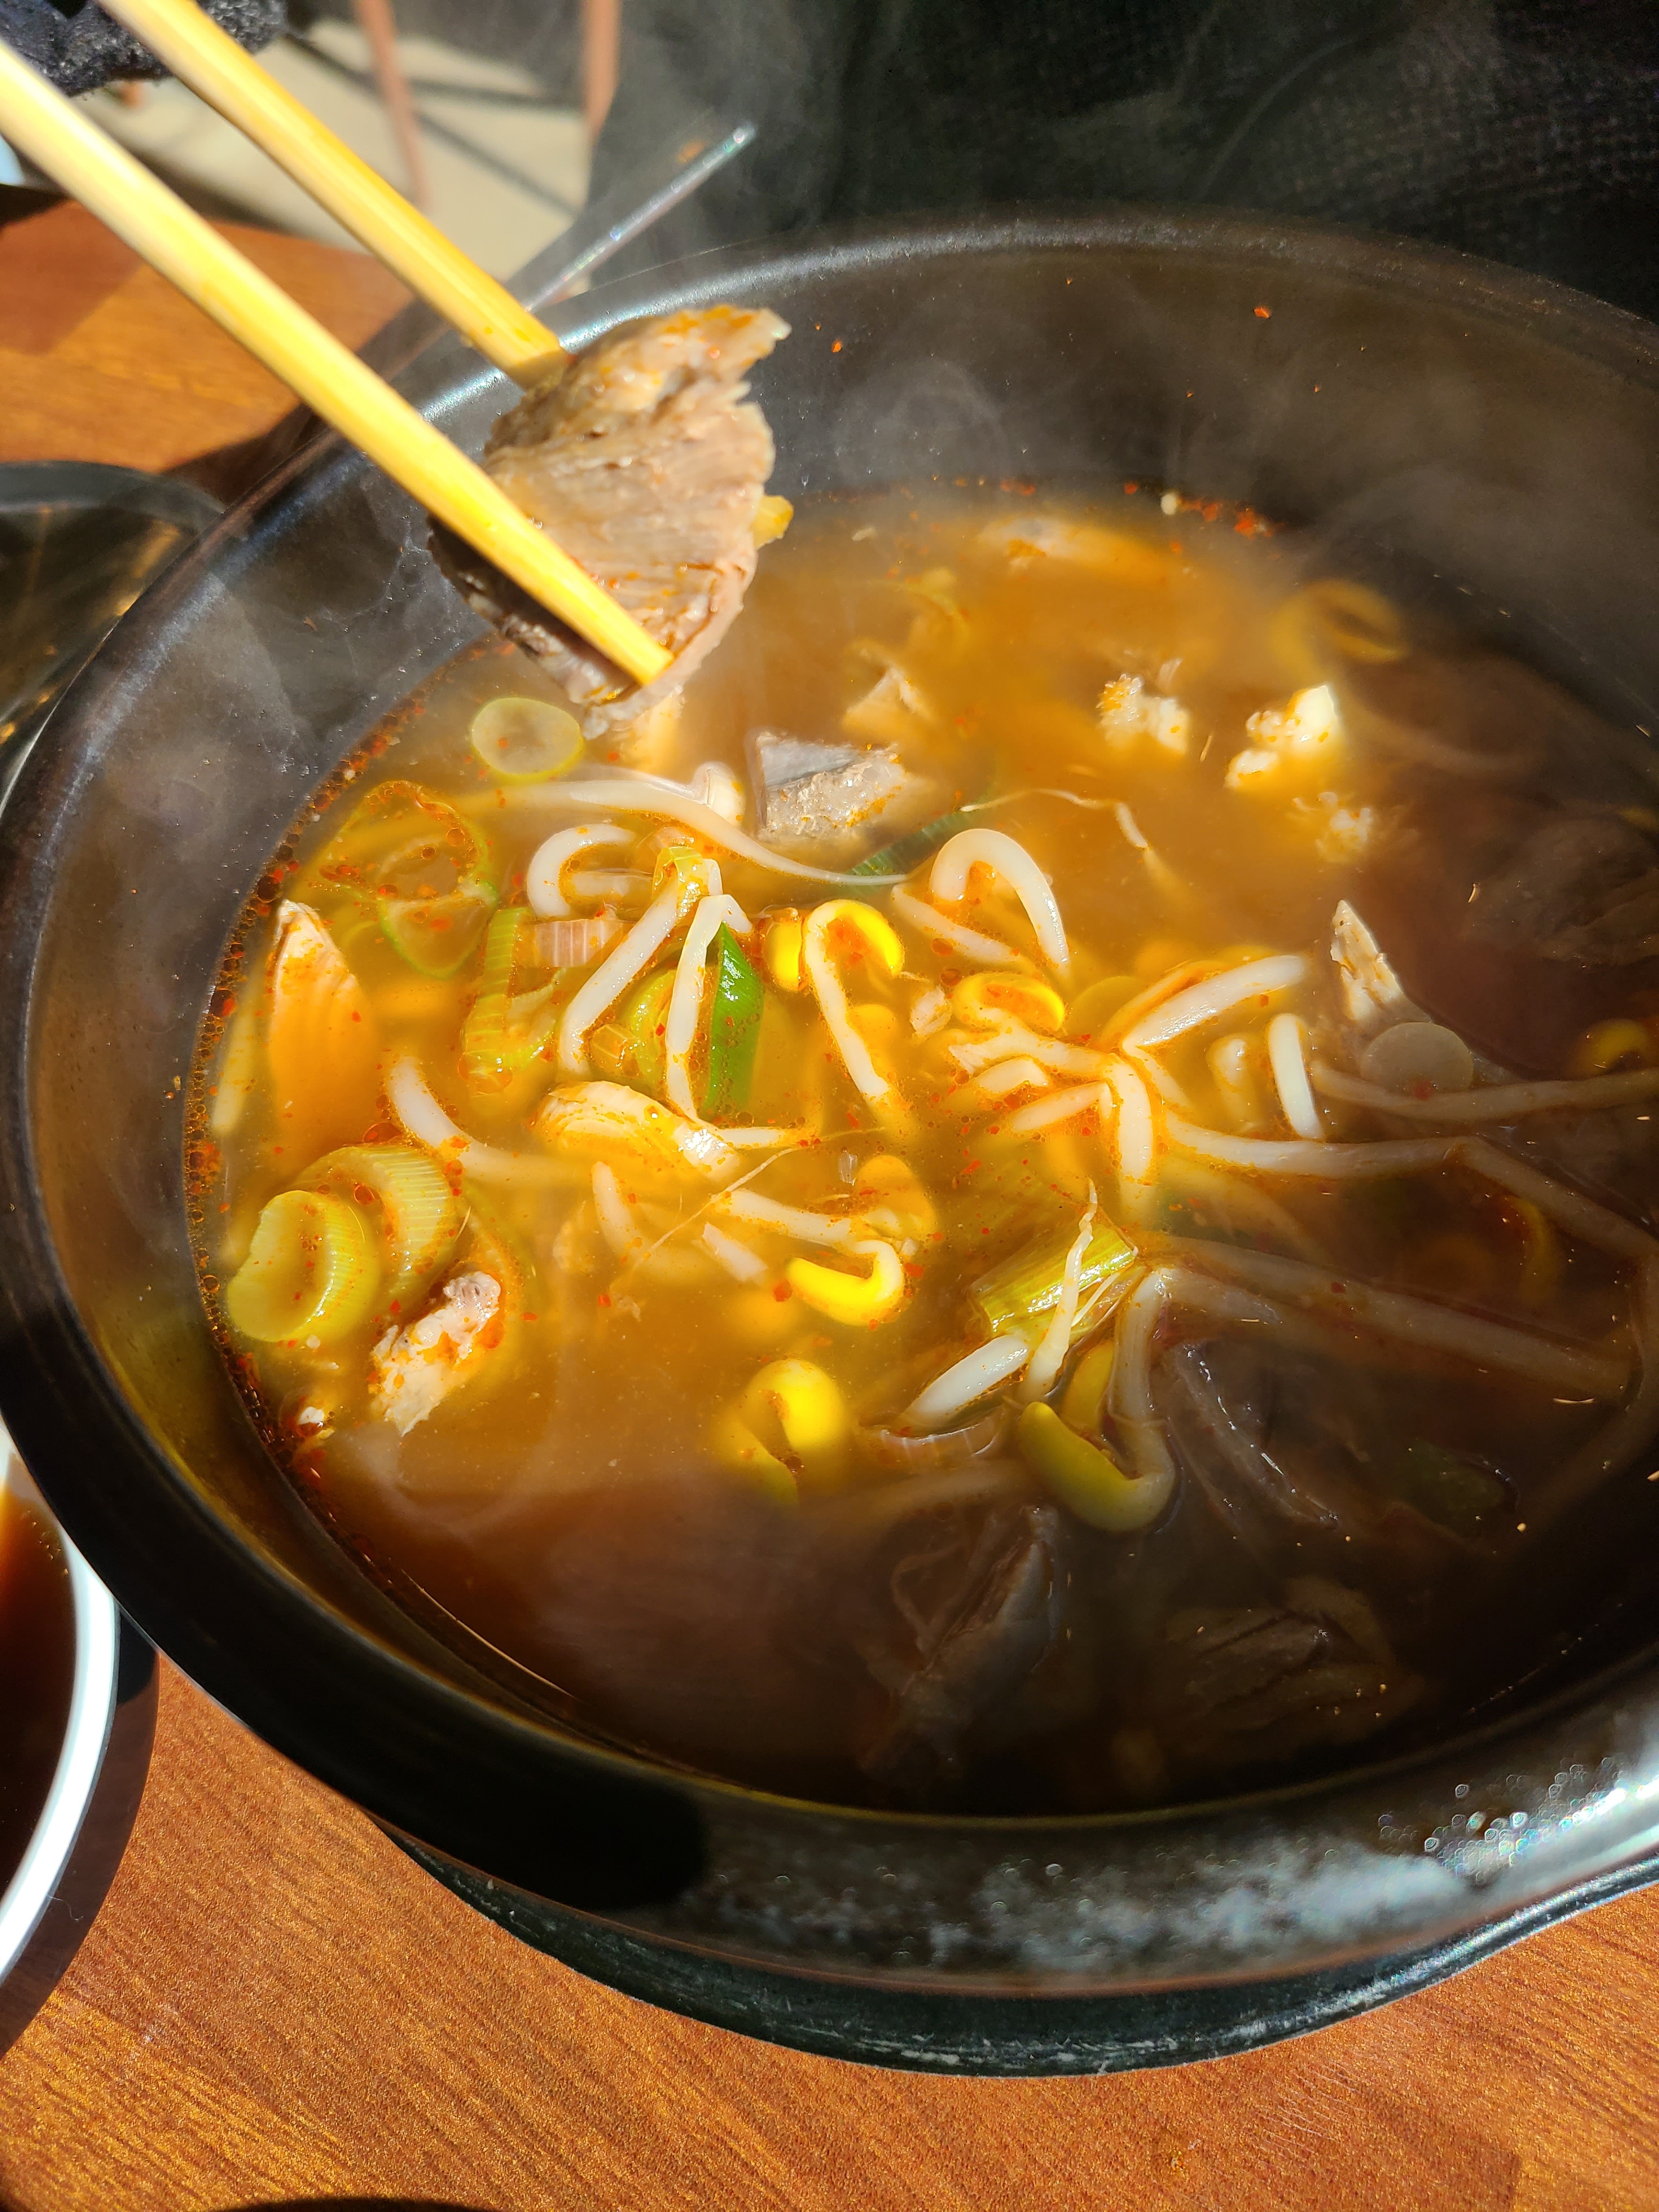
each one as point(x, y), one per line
point(648, 463)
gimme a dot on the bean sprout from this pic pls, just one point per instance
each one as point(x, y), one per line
point(1056, 1340)
point(543, 885)
point(1570, 1209)
point(1201, 1003)
point(973, 1054)
point(972, 944)
point(1421, 1322)
point(1494, 1102)
point(1295, 1156)
point(665, 803)
point(685, 1002)
point(788, 1220)
point(1230, 1062)
point(425, 1119)
point(828, 989)
point(1007, 1075)
point(625, 965)
point(1006, 857)
point(1627, 1433)
point(969, 1378)
point(1290, 1067)
point(739, 1261)
point(1061, 1106)
point(1135, 1133)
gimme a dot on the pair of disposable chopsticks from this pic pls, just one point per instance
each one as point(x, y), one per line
point(155, 223)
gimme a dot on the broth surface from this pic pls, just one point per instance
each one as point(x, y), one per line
point(1294, 1454)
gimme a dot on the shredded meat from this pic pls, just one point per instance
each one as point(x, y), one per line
point(1585, 887)
point(1263, 1683)
point(982, 1635)
point(412, 1371)
point(647, 467)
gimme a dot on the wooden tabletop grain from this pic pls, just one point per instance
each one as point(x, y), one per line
point(275, 2006)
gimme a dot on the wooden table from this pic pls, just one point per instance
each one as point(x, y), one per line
point(273, 2006)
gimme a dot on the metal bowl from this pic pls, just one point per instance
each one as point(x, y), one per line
point(1466, 421)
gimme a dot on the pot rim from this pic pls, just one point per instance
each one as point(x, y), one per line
point(57, 1341)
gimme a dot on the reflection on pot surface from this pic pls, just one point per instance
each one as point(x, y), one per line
point(1030, 1199)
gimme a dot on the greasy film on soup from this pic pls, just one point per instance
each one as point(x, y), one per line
point(1026, 1187)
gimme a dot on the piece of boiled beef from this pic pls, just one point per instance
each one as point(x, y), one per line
point(646, 463)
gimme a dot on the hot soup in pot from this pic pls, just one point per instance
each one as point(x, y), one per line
point(1033, 1195)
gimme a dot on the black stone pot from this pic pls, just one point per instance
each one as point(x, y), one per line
point(1453, 417)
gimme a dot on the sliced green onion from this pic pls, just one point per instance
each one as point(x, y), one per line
point(1448, 1488)
point(1030, 1282)
point(422, 869)
point(419, 1216)
point(311, 1274)
point(632, 1048)
point(525, 740)
point(734, 1023)
point(504, 1031)
point(915, 847)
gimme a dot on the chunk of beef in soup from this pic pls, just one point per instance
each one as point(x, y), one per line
point(1259, 1685)
point(973, 1617)
point(988, 1236)
point(644, 463)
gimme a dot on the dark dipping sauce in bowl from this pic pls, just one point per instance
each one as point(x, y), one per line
point(37, 1667)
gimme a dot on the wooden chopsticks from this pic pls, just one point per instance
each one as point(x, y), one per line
point(156, 223)
point(210, 60)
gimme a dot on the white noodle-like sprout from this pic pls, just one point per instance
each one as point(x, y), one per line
point(1158, 1078)
point(1202, 1003)
point(1130, 1393)
point(827, 987)
point(949, 1394)
point(716, 784)
point(739, 1261)
point(1495, 1102)
point(616, 1224)
point(425, 1121)
point(1288, 1061)
point(1006, 857)
point(1631, 1430)
point(685, 1000)
point(1295, 1155)
point(664, 803)
point(1056, 1340)
point(1568, 1208)
point(598, 884)
point(972, 944)
point(1136, 1132)
point(1009, 1039)
point(624, 965)
point(1008, 1075)
point(1061, 1106)
point(1157, 867)
point(544, 879)
point(787, 1220)
point(1239, 1206)
point(1423, 1323)
point(1231, 1064)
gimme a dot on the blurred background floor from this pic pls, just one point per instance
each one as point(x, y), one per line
point(495, 89)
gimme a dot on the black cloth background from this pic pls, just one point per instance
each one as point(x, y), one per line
point(1525, 129)
point(79, 48)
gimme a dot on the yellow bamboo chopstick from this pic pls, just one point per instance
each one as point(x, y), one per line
point(38, 120)
point(485, 313)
